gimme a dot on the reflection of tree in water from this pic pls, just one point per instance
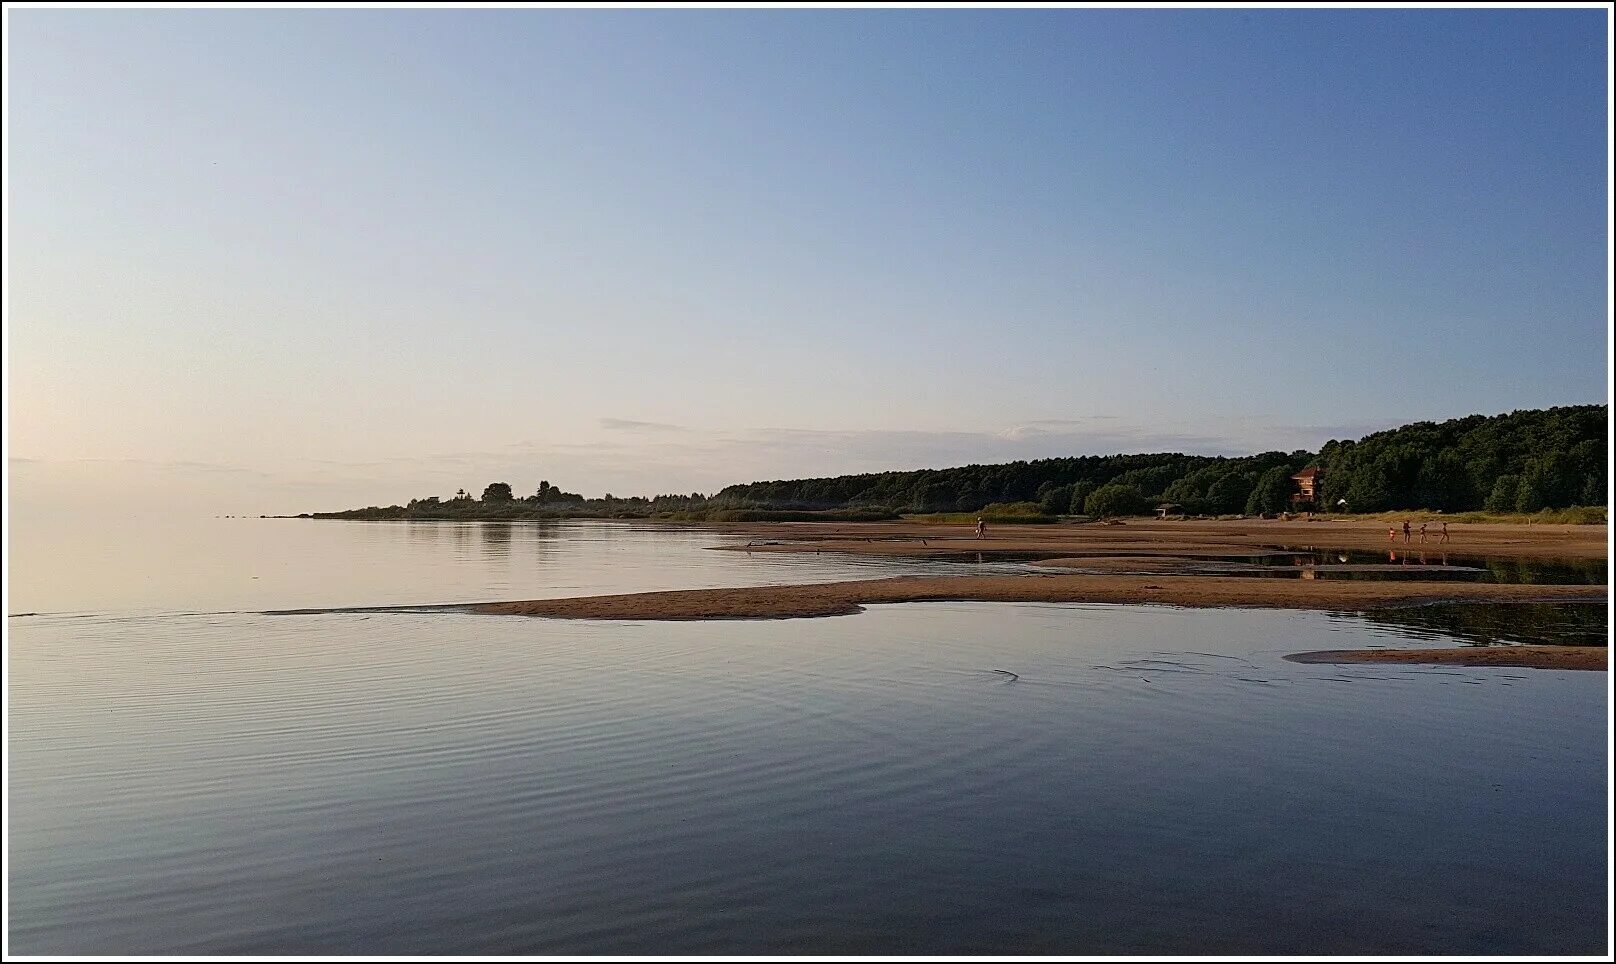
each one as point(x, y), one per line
point(490, 540)
point(496, 543)
point(539, 540)
point(1546, 572)
point(424, 532)
point(542, 540)
point(1486, 624)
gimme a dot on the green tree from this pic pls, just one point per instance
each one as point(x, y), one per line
point(1534, 489)
point(1056, 500)
point(1369, 490)
point(1189, 493)
point(1273, 491)
point(1560, 481)
point(1504, 494)
point(1443, 483)
point(497, 492)
point(1229, 494)
point(1080, 497)
point(1594, 490)
point(1109, 501)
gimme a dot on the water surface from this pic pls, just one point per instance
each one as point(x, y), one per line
point(928, 778)
point(144, 565)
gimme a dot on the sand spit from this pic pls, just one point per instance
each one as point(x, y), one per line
point(842, 598)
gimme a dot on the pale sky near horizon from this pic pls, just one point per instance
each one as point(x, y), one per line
point(289, 260)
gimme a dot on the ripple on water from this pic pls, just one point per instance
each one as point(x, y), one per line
point(938, 777)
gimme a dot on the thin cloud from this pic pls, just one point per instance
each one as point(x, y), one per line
point(629, 425)
point(157, 465)
point(1343, 431)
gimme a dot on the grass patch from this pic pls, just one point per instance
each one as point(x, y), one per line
point(999, 513)
point(793, 515)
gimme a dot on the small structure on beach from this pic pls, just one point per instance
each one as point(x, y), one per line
point(1307, 487)
point(1169, 509)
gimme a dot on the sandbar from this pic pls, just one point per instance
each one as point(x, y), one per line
point(1141, 561)
point(844, 598)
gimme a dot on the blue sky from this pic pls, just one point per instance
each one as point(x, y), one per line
point(278, 260)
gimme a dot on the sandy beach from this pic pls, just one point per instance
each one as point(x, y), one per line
point(843, 598)
point(1155, 553)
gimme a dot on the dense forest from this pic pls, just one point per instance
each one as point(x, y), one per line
point(1520, 462)
point(1524, 461)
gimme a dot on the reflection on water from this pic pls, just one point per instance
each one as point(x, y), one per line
point(496, 540)
point(1286, 563)
point(211, 565)
point(929, 778)
point(1486, 624)
point(1590, 572)
point(1435, 563)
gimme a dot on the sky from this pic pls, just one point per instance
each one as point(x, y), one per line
point(289, 260)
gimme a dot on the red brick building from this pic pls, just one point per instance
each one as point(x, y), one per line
point(1307, 487)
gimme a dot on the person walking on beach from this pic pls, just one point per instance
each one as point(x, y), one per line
point(1391, 534)
point(981, 527)
point(1444, 533)
point(1422, 532)
point(1406, 532)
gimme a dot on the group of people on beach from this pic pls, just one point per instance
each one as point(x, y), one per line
point(1391, 533)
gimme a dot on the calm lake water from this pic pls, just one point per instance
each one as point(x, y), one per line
point(189, 775)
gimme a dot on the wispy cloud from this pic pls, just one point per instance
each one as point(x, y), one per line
point(629, 425)
point(175, 466)
point(1340, 431)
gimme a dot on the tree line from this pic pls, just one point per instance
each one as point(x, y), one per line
point(1522, 461)
point(499, 502)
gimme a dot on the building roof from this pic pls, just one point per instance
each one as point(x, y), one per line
point(1307, 473)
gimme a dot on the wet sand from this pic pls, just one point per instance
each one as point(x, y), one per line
point(1137, 562)
point(1530, 657)
point(843, 598)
